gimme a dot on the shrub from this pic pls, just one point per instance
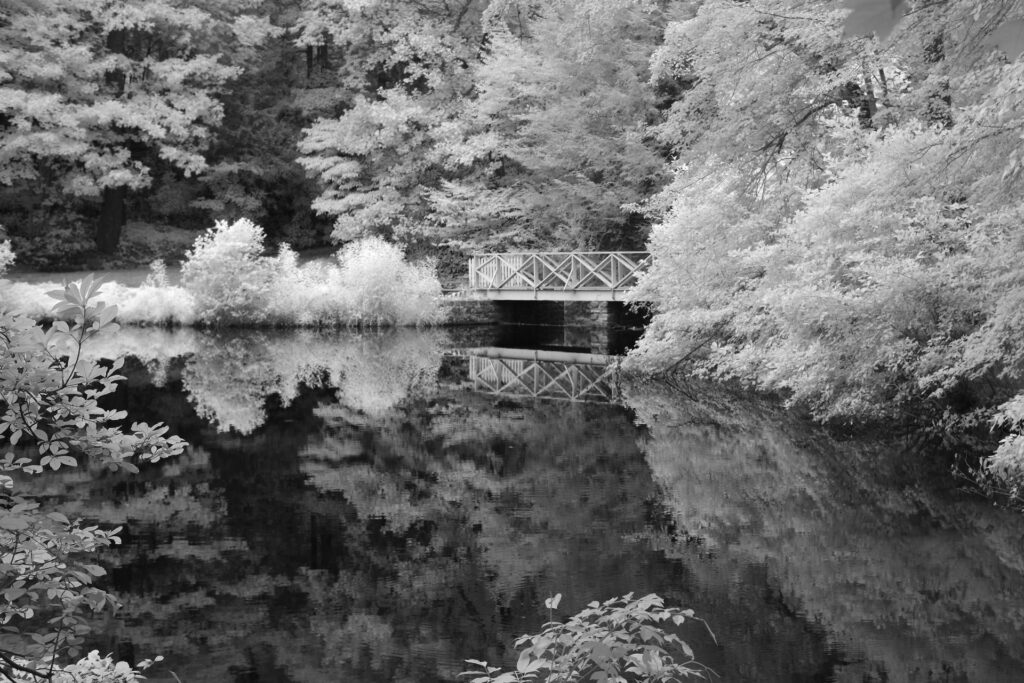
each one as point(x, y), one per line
point(622, 639)
point(371, 285)
point(89, 669)
point(154, 302)
point(151, 305)
point(1004, 469)
point(308, 295)
point(66, 246)
point(6, 256)
point(49, 409)
point(28, 299)
point(384, 289)
point(227, 276)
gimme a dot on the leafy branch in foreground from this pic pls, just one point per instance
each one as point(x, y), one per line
point(620, 640)
point(50, 418)
point(1001, 475)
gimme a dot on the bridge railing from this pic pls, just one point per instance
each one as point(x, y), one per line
point(550, 379)
point(558, 271)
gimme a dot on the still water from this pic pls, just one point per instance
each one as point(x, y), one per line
point(377, 508)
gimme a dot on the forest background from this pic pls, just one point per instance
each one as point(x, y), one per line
point(831, 190)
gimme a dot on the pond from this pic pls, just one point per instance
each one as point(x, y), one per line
point(381, 507)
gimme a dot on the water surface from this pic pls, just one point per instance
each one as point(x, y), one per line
point(358, 508)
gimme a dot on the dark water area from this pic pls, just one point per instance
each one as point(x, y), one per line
point(370, 508)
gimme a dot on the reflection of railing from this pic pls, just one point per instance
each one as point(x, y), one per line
point(594, 276)
point(544, 374)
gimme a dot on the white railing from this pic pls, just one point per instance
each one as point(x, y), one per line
point(595, 271)
point(572, 381)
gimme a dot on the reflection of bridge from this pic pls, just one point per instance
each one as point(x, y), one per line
point(552, 276)
point(544, 374)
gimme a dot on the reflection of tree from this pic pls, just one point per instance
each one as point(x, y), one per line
point(228, 381)
point(919, 581)
point(358, 546)
point(229, 377)
point(154, 347)
point(381, 369)
point(340, 542)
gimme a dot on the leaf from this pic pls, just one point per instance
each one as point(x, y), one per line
point(13, 522)
point(58, 517)
point(12, 594)
point(523, 661)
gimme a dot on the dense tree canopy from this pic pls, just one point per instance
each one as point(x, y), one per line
point(552, 150)
point(832, 185)
point(844, 214)
point(404, 73)
point(96, 94)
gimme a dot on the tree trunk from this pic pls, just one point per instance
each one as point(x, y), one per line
point(112, 219)
point(869, 105)
point(112, 213)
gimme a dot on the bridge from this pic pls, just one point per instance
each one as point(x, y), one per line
point(562, 375)
point(556, 276)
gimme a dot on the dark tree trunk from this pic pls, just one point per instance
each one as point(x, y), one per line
point(939, 107)
point(117, 42)
point(869, 105)
point(112, 212)
point(112, 219)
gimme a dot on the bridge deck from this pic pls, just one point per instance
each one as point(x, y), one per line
point(556, 276)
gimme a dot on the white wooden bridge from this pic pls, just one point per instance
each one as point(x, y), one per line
point(556, 276)
point(526, 373)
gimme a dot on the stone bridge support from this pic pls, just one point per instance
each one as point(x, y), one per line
point(600, 326)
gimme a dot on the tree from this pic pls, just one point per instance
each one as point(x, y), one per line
point(96, 94)
point(842, 222)
point(252, 170)
point(487, 123)
point(50, 419)
point(551, 151)
point(404, 77)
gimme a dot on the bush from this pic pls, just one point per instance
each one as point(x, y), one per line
point(372, 285)
point(383, 289)
point(227, 281)
point(622, 639)
point(91, 669)
point(1004, 469)
point(6, 256)
point(227, 276)
point(154, 302)
point(49, 410)
point(151, 305)
point(28, 299)
point(68, 246)
point(307, 296)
